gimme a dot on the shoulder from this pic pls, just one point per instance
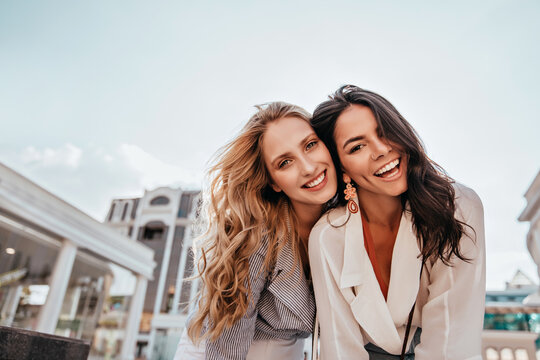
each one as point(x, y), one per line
point(468, 203)
point(329, 227)
point(333, 220)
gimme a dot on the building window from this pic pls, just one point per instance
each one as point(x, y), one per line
point(134, 208)
point(112, 211)
point(154, 230)
point(186, 204)
point(160, 200)
point(152, 233)
point(124, 212)
point(179, 234)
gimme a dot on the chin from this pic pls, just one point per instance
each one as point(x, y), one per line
point(400, 191)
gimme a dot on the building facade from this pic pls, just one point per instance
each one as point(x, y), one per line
point(531, 214)
point(512, 319)
point(54, 265)
point(161, 220)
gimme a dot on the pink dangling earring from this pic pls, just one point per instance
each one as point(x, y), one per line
point(350, 194)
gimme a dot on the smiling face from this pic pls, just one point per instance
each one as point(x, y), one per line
point(376, 165)
point(298, 162)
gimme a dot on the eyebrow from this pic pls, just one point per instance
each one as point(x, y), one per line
point(288, 153)
point(353, 139)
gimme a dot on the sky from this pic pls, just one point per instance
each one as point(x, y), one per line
point(103, 99)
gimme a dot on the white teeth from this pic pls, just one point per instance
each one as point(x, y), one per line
point(315, 182)
point(387, 167)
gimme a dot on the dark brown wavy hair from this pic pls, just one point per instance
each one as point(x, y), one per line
point(430, 193)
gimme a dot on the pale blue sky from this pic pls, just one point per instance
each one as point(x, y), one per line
point(100, 99)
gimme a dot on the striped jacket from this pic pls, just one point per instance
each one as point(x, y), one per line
point(282, 307)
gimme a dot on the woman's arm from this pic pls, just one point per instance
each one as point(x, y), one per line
point(340, 338)
point(452, 318)
point(234, 342)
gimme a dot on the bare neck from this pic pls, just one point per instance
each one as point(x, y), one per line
point(307, 216)
point(379, 209)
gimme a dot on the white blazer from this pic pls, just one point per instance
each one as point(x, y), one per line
point(450, 300)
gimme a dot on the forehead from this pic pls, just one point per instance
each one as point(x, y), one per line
point(284, 135)
point(356, 120)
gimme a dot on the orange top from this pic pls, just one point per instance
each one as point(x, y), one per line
point(370, 248)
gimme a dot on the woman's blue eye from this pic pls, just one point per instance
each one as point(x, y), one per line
point(311, 144)
point(284, 163)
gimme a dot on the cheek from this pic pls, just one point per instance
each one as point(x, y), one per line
point(321, 155)
point(346, 165)
point(325, 155)
point(285, 180)
point(276, 178)
point(355, 165)
point(343, 160)
point(406, 174)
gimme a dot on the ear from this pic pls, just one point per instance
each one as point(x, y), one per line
point(346, 178)
point(275, 188)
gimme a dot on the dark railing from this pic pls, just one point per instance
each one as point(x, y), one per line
point(19, 344)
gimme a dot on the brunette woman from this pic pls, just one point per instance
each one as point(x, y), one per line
point(398, 266)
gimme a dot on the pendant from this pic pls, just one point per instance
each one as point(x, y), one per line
point(353, 208)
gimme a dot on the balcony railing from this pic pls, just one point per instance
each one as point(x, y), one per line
point(509, 345)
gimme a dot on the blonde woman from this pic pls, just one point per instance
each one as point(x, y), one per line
point(269, 187)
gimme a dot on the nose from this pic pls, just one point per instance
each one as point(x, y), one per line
point(381, 147)
point(308, 166)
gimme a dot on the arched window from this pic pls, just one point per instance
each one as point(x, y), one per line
point(154, 230)
point(160, 200)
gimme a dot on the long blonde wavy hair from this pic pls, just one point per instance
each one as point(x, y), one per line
point(240, 210)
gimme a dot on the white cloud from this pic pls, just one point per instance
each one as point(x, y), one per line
point(154, 172)
point(89, 182)
point(108, 158)
point(67, 155)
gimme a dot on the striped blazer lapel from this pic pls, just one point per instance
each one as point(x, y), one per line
point(288, 283)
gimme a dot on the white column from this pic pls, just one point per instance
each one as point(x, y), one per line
point(134, 319)
point(151, 340)
point(186, 243)
point(89, 292)
point(10, 307)
point(50, 311)
point(75, 295)
point(533, 240)
point(194, 283)
point(161, 283)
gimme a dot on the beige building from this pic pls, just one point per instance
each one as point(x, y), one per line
point(161, 220)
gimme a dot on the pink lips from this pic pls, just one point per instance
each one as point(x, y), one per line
point(388, 163)
point(396, 174)
point(318, 186)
